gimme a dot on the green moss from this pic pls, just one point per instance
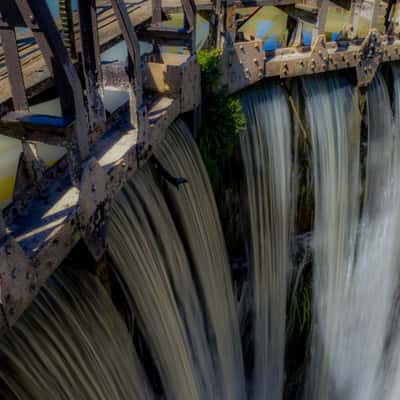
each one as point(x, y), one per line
point(209, 60)
point(222, 118)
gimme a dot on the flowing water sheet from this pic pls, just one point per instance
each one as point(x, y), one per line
point(354, 258)
point(153, 265)
point(72, 345)
point(196, 214)
point(266, 150)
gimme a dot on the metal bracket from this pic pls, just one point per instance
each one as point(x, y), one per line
point(94, 204)
point(370, 56)
point(316, 62)
point(18, 282)
point(243, 64)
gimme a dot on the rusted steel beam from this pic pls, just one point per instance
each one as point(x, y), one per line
point(38, 18)
point(91, 62)
point(56, 224)
point(41, 128)
point(13, 64)
point(132, 43)
point(248, 64)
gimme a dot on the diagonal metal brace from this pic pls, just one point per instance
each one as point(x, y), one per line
point(134, 64)
point(370, 56)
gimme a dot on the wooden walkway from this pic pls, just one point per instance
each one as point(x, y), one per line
point(36, 74)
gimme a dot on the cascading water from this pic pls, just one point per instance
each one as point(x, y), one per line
point(170, 258)
point(153, 266)
point(71, 344)
point(197, 217)
point(334, 125)
point(183, 296)
point(266, 150)
point(354, 259)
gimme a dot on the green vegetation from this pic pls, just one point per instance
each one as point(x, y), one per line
point(223, 119)
point(300, 309)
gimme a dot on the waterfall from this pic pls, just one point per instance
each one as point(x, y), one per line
point(354, 257)
point(200, 228)
point(71, 344)
point(266, 150)
point(154, 267)
point(179, 287)
point(391, 367)
point(170, 260)
point(334, 124)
